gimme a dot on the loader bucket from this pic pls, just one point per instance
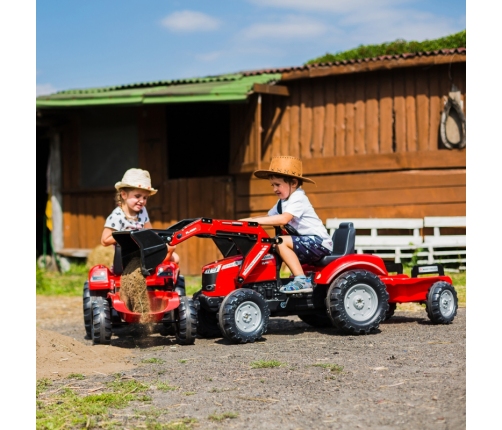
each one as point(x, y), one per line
point(146, 244)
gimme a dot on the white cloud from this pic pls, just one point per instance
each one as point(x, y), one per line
point(45, 89)
point(290, 28)
point(190, 21)
point(209, 56)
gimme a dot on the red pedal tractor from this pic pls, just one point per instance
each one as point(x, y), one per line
point(169, 305)
point(352, 292)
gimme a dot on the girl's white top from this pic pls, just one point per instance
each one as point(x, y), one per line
point(117, 220)
point(305, 220)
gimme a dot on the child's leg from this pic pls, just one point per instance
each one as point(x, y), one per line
point(300, 284)
point(285, 250)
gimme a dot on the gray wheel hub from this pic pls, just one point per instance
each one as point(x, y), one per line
point(446, 303)
point(361, 302)
point(248, 317)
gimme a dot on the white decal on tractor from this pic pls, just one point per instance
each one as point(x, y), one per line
point(190, 231)
point(232, 264)
point(251, 265)
point(214, 269)
point(428, 269)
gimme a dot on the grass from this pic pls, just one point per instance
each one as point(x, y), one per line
point(192, 284)
point(62, 284)
point(64, 408)
point(336, 368)
point(164, 386)
point(399, 46)
point(263, 364)
point(153, 360)
point(78, 376)
point(223, 416)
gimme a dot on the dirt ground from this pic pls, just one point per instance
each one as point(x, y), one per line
point(411, 374)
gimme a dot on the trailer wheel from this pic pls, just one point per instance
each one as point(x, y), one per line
point(357, 302)
point(243, 316)
point(389, 314)
point(101, 324)
point(316, 320)
point(87, 310)
point(442, 303)
point(186, 321)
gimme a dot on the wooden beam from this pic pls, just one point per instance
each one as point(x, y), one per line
point(276, 90)
point(368, 66)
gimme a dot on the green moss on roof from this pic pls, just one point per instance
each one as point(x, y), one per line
point(457, 40)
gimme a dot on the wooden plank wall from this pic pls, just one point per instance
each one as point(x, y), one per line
point(371, 142)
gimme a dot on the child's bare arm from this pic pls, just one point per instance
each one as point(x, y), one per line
point(271, 220)
point(107, 238)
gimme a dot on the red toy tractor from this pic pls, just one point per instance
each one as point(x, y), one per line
point(169, 304)
point(352, 292)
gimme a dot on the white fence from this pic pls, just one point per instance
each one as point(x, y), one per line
point(437, 248)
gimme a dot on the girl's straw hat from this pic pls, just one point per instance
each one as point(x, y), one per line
point(136, 178)
point(284, 165)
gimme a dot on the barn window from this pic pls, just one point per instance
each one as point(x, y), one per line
point(108, 145)
point(198, 140)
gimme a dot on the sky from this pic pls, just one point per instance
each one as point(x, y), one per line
point(83, 44)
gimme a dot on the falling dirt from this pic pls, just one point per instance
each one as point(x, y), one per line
point(133, 290)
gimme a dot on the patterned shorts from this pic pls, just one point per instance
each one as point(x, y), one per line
point(309, 249)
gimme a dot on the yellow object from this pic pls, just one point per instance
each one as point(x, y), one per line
point(48, 213)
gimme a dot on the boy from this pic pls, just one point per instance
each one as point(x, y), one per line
point(309, 241)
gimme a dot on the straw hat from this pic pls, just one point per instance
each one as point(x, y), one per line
point(284, 165)
point(136, 178)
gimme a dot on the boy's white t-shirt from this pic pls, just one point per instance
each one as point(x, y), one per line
point(305, 220)
point(118, 221)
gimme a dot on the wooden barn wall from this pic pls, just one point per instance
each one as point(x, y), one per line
point(371, 142)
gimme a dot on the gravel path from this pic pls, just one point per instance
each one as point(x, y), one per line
point(411, 374)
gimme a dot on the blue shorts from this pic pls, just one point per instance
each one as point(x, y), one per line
point(309, 249)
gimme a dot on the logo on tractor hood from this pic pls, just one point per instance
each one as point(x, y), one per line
point(214, 269)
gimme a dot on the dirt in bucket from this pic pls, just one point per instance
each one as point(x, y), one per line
point(133, 290)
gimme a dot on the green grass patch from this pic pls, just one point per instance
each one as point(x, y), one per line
point(70, 283)
point(42, 385)
point(164, 386)
point(190, 393)
point(336, 368)
point(397, 47)
point(67, 409)
point(263, 364)
point(192, 284)
point(153, 360)
point(75, 376)
point(223, 416)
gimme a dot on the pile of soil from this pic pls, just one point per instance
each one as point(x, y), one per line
point(59, 356)
point(133, 289)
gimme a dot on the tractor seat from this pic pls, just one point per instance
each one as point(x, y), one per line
point(344, 239)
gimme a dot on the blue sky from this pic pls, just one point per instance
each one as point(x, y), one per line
point(98, 43)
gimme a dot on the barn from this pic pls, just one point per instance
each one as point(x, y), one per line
point(382, 137)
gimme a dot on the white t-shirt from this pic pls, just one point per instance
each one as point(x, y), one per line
point(118, 221)
point(305, 220)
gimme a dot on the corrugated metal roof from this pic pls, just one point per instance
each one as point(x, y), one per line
point(229, 87)
point(234, 87)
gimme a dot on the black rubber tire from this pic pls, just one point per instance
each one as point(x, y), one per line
point(227, 316)
point(317, 320)
point(186, 321)
point(437, 298)
point(208, 324)
point(101, 325)
point(180, 286)
point(389, 314)
point(335, 301)
point(169, 328)
point(87, 310)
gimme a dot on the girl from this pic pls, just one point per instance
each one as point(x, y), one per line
point(133, 192)
point(308, 241)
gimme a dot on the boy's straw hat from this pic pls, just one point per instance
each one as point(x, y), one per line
point(286, 166)
point(136, 178)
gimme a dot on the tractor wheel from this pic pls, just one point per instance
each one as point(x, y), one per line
point(390, 312)
point(180, 286)
point(442, 303)
point(169, 324)
point(101, 324)
point(316, 320)
point(243, 316)
point(186, 321)
point(357, 302)
point(87, 310)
